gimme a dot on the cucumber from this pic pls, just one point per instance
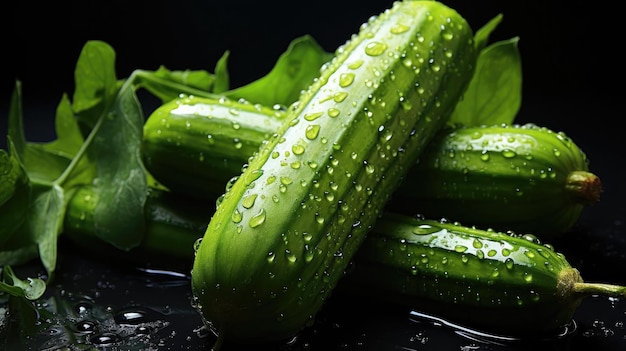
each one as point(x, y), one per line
point(287, 228)
point(218, 147)
point(523, 178)
point(173, 224)
point(493, 282)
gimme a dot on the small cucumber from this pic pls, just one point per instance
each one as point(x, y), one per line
point(490, 281)
point(522, 178)
point(214, 138)
point(287, 228)
point(173, 224)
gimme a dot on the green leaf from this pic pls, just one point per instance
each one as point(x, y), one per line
point(95, 81)
point(294, 71)
point(481, 37)
point(16, 122)
point(15, 192)
point(121, 182)
point(222, 79)
point(46, 162)
point(68, 135)
point(45, 222)
point(494, 94)
point(19, 252)
point(31, 288)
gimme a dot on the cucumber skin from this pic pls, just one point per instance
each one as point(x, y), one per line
point(490, 281)
point(531, 190)
point(431, 272)
point(186, 145)
point(264, 268)
point(521, 178)
point(173, 224)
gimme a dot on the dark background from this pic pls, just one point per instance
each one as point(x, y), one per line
point(570, 49)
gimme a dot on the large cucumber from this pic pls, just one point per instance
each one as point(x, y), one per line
point(287, 228)
point(490, 281)
point(524, 178)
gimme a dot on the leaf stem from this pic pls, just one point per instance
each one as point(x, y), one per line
point(79, 154)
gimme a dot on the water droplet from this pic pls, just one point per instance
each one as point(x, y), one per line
point(248, 201)
point(196, 244)
point(375, 48)
point(271, 257)
point(333, 112)
point(290, 256)
point(105, 339)
point(424, 229)
point(356, 64)
point(312, 131)
point(297, 149)
point(345, 79)
point(258, 219)
point(460, 248)
point(508, 153)
point(313, 116)
point(85, 327)
point(236, 216)
point(399, 28)
point(253, 175)
point(307, 237)
point(447, 34)
point(405, 104)
point(340, 96)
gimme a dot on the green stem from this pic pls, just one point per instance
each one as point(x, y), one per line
point(79, 154)
point(608, 290)
point(175, 88)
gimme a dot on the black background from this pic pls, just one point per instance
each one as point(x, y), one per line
point(571, 59)
point(570, 49)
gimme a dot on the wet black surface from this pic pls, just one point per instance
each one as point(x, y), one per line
point(567, 53)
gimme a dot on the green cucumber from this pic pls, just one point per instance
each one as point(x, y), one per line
point(522, 178)
point(495, 282)
point(173, 224)
point(217, 148)
point(489, 281)
point(287, 228)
